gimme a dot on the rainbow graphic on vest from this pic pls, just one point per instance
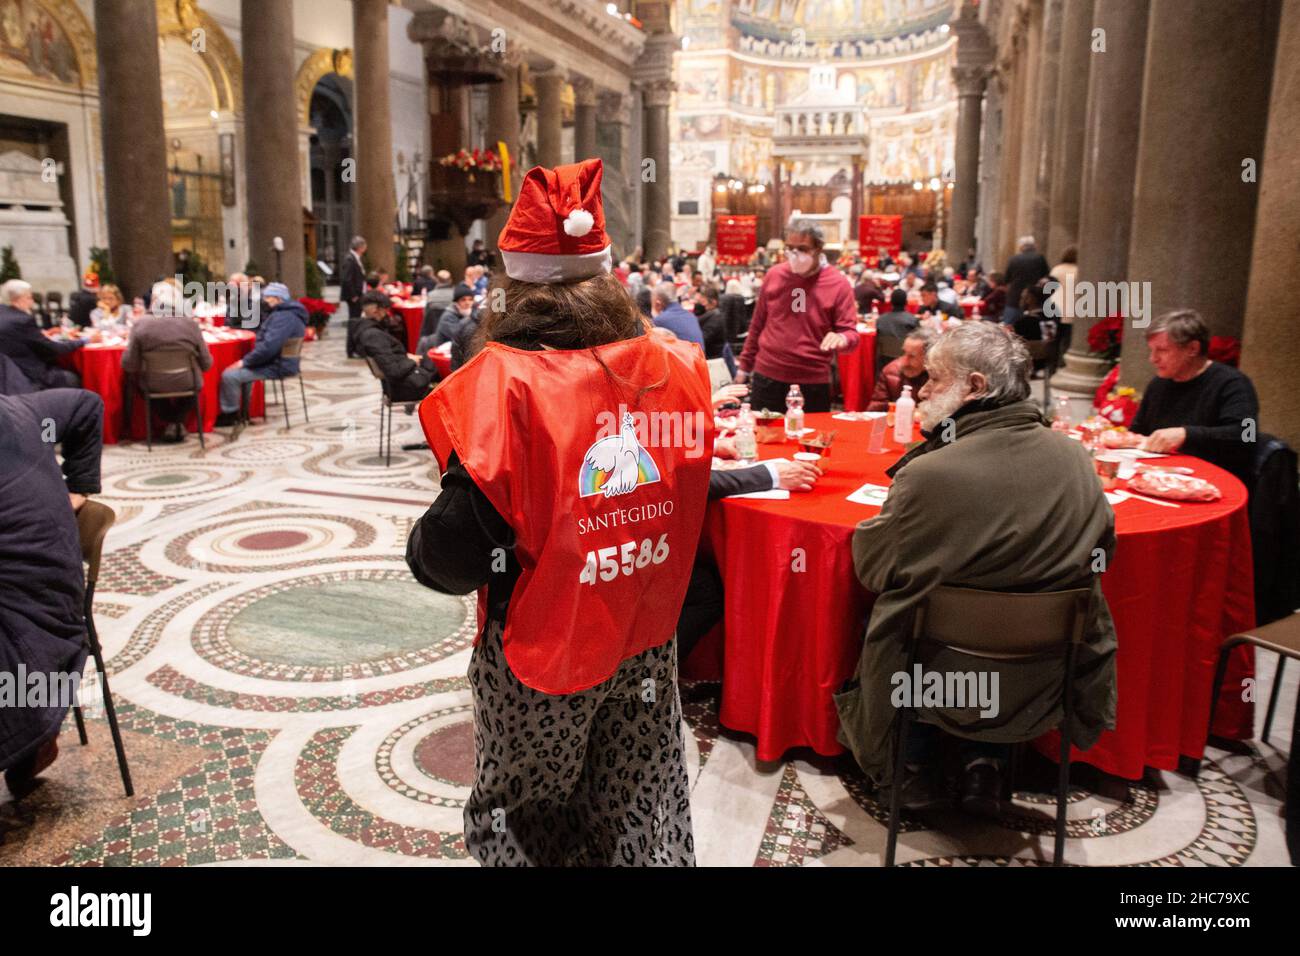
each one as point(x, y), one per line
point(616, 465)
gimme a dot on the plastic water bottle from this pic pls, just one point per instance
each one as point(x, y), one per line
point(903, 410)
point(746, 441)
point(1061, 420)
point(793, 412)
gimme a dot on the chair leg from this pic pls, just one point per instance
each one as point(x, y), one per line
point(1062, 798)
point(303, 389)
point(285, 402)
point(902, 723)
point(1272, 698)
point(380, 453)
point(109, 710)
point(81, 724)
point(388, 444)
point(198, 418)
point(148, 421)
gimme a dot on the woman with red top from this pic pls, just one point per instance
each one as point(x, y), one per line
point(576, 453)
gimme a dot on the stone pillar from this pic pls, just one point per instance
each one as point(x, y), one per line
point(1270, 352)
point(584, 119)
point(970, 82)
point(1049, 79)
point(658, 191)
point(503, 127)
point(135, 145)
point(1013, 118)
point(549, 117)
point(375, 201)
point(271, 118)
point(1193, 215)
point(778, 206)
point(1114, 114)
point(1071, 107)
point(613, 126)
point(1031, 132)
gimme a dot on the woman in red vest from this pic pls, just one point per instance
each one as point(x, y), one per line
point(575, 453)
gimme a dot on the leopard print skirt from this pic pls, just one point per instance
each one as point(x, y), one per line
point(594, 778)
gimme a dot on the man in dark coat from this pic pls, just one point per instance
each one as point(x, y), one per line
point(994, 500)
point(1023, 269)
point(405, 380)
point(352, 288)
point(23, 343)
point(42, 630)
point(283, 318)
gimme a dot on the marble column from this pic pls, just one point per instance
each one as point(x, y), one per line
point(375, 195)
point(550, 113)
point(970, 82)
point(1049, 79)
point(1013, 120)
point(613, 128)
point(1110, 141)
point(1270, 352)
point(271, 117)
point(584, 119)
point(135, 144)
point(1032, 132)
point(1071, 106)
point(1193, 201)
point(504, 127)
point(658, 190)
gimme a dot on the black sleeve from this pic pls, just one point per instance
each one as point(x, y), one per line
point(393, 362)
point(1237, 402)
point(457, 545)
point(1141, 424)
point(47, 349)
point(740, 481)
point(78, 417)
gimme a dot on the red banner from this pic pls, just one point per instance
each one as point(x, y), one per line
point(877, 231)
point(737, 239)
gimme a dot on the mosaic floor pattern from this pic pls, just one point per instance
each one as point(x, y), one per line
point(307, 700)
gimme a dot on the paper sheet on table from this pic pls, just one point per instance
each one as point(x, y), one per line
point(869, 494)
point(776, 494)
point(1115, 497)
point(857, 416)
point(1135, 453)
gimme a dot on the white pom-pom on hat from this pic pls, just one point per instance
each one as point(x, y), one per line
point(578, 223)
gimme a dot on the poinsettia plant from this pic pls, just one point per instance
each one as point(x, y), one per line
point(1106, 337)
point(317, 309)
point(469, 160)
point(1225, 349)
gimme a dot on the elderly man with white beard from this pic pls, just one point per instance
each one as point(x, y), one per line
point(992, 499)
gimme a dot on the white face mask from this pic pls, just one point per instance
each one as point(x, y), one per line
point(800, 262)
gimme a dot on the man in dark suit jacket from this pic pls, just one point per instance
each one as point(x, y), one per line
point(353, 287)
point(1023, 269)
point(20, 340)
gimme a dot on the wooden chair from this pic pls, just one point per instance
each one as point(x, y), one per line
point(291, 349)
point(93, 521)
point(1282, 638)
point(988, 627)
point(171, 361)
point(385, 408)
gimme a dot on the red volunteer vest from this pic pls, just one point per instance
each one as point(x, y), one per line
point(604, 485)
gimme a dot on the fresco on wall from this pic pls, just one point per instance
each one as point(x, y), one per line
point(902, 152)
point(836, 18)
point(33, 45)
point(702, 85)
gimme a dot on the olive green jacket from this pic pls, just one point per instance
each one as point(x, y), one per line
point(1007, 504)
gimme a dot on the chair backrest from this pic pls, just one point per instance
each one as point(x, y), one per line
point(292, 348)
point(1002, 624)
point(169, 360)
point(888, 346)
point(93, 521)
point(54, 300)
point(718, 374)
point(374, 368)
point(1041, 350)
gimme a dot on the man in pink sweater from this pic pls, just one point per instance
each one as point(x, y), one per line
point(805, 314)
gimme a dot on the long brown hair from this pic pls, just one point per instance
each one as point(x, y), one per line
point(569, 315)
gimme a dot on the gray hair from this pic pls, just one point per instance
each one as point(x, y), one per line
point(984, 347)
point(13, 289)
point(1026, 243)
point(925, 336)
point(809, 228)
point(665, 294)
point(1183, 326)
point(358, 242)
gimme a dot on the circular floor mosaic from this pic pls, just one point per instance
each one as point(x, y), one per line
point(430, 759)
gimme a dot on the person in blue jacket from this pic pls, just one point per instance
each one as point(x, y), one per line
point(283, 318)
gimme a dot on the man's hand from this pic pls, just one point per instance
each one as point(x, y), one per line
point(729, 393)
point(239, 364)
point(834, 341)
point(797, 475)
point(413, 357)
point(741, 376)
point(1165, 440)
point(725, 448)
point(76, 500)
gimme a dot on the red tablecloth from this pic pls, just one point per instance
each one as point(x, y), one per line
point(413, 316)
point(100, 368)
point(858, 373)
point(1180, 581)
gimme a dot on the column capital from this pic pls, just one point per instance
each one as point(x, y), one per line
point(613, 107)
point(451, 46)
point(971, 80)
point(584, 90)
point(657, 92)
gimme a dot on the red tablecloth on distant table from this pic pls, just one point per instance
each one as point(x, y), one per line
point(858, 373)
point(413, 316)
point(100, 368)
point(441, 361)
point(1181, 580)
point(967, 304)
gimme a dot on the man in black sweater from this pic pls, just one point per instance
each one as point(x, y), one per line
point(1196, 406)
point(405, 380)
point(1023, 269)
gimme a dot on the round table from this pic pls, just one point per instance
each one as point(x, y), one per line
point(1180, 581)
point(100, 366)
point(412, 314)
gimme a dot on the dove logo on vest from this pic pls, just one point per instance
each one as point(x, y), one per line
point(616, 465)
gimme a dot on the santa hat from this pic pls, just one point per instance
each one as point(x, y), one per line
point(556, 230)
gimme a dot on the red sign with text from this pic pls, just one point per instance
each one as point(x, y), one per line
point(737, 239)
point(875, 232)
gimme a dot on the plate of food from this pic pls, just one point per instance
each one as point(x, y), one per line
point(1174, 487)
